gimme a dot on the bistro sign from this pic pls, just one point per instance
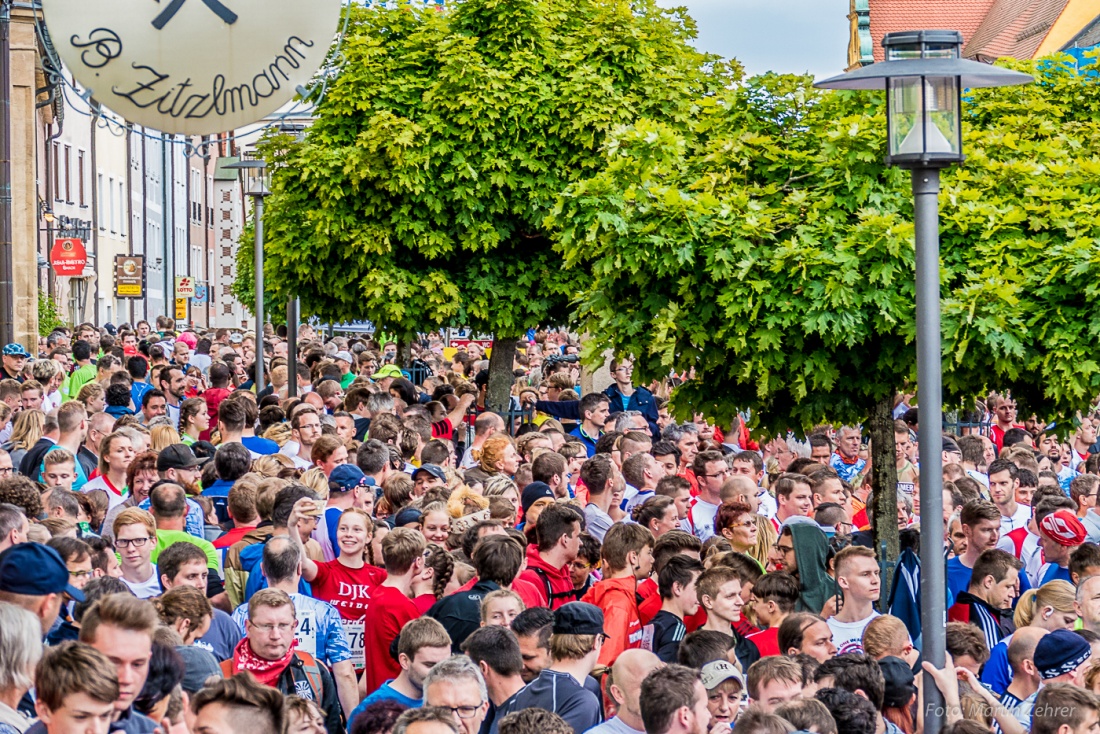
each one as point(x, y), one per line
point(192, 67)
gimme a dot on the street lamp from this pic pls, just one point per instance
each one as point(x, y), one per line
point(257, 184)
point(924, 76)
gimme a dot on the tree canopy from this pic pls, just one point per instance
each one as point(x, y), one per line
point(770, 250)
point(419, 196)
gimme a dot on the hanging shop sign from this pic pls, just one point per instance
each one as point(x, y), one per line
point(129, 276)
point(192, 67)
point(68, 256)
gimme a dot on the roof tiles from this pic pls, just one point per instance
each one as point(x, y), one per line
point(965, 16)
point(1013, 28)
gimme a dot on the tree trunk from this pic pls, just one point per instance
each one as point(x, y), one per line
point(883, 513)
point(499, 399)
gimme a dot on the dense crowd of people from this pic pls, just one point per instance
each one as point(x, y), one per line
point(185, 549)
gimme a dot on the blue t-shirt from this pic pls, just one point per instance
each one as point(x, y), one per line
point(384, 693)
point(261, 446)
point(1052, 572)
point(222, 637)
point(958, 578)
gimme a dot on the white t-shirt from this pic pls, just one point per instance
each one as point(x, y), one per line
point(768, 505)
point(114, 499)
point(848, 636)
point(977, 476)
point(1018, 520)
point(700, 519)
point(146, 589)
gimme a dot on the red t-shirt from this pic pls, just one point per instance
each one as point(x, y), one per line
point(347, 589)
point(233, 536)
point(387, 613)
point(424, 602)
point(766, 641)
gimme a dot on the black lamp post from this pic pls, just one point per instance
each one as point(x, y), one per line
point(257, 184)
point(924, 76)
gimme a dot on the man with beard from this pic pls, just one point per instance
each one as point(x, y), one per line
point(178, 464)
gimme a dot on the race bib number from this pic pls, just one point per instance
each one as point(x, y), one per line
point(306, 634)
point(356, 641)
point(907, 488)
point(647, 638)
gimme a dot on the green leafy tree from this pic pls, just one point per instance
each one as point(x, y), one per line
point(770, 250)
point(418, 198)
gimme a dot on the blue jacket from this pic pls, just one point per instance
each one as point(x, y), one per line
point(251, 563)
point(905, 596)
point(641, 400)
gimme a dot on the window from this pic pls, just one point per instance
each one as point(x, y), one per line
point(103, 193)
point(121, 203)
point(114, 221)
point(69, 174)
point(57, 171)
point(82, 197)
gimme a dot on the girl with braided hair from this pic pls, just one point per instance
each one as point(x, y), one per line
point(435, 581)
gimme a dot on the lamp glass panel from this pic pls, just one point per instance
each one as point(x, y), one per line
point(924, 116)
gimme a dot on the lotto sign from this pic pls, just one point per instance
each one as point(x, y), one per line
point(356, 635)
point(68, 256)
point(185, 287)
point(193, 67)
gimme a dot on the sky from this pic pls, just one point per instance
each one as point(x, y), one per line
point(787, 36)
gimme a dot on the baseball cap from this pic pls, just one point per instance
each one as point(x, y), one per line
point(387, 370)
point(15, 350)
point(719, 671)
point(34, 569)
point(578, 618)
point(178, 456)
point(405, 516)
point(235, 338)
point(951, 446)
point(534, 492)
point(898, 677)
point(347, 477)
point(344, 357)
point(434, 469)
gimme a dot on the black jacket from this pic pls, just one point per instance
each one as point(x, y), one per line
point(460, 613)
point(33, 458)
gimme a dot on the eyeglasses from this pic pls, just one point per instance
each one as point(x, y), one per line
point(723, 473)
point(283, 628)
point(784, 549)
point(6, 470)
point(464, 712)
point(135, 542)
point(742, 524)
point(79, 574)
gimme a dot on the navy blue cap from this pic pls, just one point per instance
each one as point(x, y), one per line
point(347, 477)
point(405, 516)
point(434, 469)
point(35, 570)
point(578, 618)
point(534, 492)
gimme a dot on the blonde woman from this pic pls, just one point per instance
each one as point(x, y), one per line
point(502, 486)
point(272, 465)
point(29, 427)
point(94, 397)
point(315, 480)
point(161, 437)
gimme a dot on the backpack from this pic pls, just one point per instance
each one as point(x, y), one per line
point(551, 596)
point(310, 667)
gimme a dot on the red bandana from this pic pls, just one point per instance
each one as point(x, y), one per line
point(266, 671)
